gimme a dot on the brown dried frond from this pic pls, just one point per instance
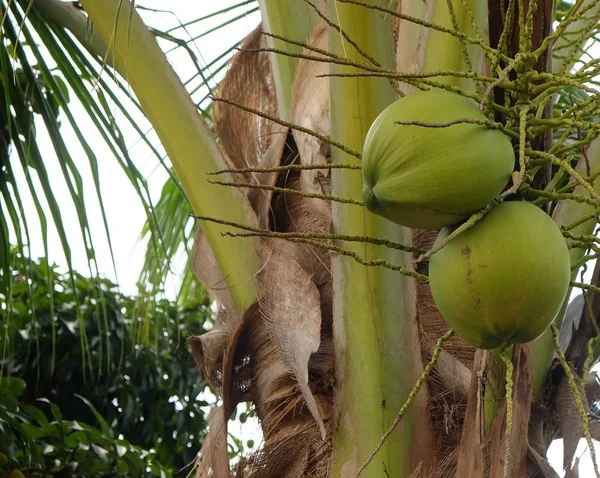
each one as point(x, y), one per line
point(291, 311)
point(447, 407)
point(213, 459)
point(208, 349)
point(568, 417)
point(281, 360)
point(299, 454)
point(245, 137)
point(311, 109)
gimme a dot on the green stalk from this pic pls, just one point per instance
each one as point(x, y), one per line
point(294, 20)
point(568, 211)
point(183, 133)
point(378, 355)
point(423, 49)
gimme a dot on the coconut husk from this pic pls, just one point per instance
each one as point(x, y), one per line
point(305, 455)
point(275, 357)
point(278, 359)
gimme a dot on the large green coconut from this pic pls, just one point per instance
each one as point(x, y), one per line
point(503, 280)
point(427, 177)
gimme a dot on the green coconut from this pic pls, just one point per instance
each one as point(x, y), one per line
point(504, 279)
point(428, 178)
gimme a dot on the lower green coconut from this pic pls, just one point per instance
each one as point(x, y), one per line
point(503, 280)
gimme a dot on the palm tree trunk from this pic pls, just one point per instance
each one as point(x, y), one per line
point(327, 349)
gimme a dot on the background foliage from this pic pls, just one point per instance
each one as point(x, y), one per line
point(138, 379)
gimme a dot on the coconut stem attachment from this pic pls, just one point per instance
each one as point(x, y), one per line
point(505, 356)
point(568, 168)
point(578, 401)
point(520, 175)
point(459, 230)
point(422, 379)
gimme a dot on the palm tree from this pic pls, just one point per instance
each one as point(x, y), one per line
point(326, 323)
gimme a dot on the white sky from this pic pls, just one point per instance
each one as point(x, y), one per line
point(123, 208)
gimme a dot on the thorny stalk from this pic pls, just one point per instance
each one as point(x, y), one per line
point(507, 360)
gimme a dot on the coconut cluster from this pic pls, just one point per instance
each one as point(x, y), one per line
point(429, 162)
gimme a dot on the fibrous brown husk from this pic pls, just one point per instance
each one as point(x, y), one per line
point(569, 419)
point(305, 455)
point(293, 368)
point(517, 442)
point(279, 353)
point(310, 109)
point(291, 307)
point(282, 362)
point(470, 452)
point(271, 354)
point(207, 349)
point(246, 137)
point(213, 459)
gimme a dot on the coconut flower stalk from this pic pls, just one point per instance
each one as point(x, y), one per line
point(328, 326)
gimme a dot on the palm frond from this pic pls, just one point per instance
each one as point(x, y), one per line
point(65, 110)
point(172, 209)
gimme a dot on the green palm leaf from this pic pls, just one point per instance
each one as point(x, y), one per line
point(57, 82)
